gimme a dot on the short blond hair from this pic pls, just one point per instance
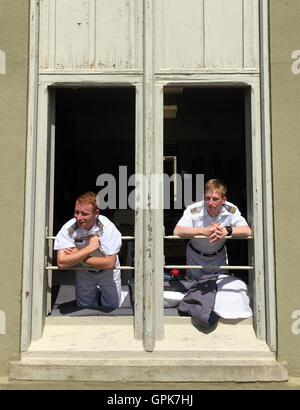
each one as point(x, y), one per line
point(217, 185)
point(88, 198)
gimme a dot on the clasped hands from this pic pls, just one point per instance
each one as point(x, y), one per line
point(215, 232)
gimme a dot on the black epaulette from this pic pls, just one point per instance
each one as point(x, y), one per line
point(72, 228)
point(196, 209)
point(230, 209)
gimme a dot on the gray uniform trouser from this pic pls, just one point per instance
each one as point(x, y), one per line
point(194, 258)
point(87, 291)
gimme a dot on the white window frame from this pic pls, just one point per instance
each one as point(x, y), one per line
point(149, 159)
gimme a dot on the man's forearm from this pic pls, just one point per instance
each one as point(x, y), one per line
point(69, 260)
point(69, 257)
point(101, 262)
point(188, 232)
point(241, 231)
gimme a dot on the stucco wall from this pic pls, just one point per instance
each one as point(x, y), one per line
point(13, 101)
point(285, 110)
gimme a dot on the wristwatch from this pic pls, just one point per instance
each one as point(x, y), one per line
point(229, 230)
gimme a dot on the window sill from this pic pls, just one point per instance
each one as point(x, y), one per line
point(104, 349)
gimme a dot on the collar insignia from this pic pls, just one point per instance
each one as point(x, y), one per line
point(230, 209)
point(72, 228)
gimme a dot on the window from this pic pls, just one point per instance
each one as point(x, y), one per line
point(207, 136)
point(94, 151)
point(216, 84)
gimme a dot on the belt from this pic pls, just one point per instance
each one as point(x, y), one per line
point(95, 271)
point(206, 254)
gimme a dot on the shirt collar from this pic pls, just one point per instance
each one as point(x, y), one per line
point(223, 212)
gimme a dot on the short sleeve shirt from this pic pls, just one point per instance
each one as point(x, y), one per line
point(70, 236)
point(196, 215)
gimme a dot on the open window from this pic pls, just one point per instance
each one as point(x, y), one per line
point(93, 149)
point(206, 136)
point(76, 120)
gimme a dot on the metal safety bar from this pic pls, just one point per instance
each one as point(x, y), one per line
point(166, 267)
point(208, 267)
point(225, 267)
point(87, 268)
point(201, 237)
point(128, 238)
point(243, 267)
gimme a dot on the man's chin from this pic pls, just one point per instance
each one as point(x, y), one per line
point(212, 214)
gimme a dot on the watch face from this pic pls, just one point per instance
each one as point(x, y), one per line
point(229, 229)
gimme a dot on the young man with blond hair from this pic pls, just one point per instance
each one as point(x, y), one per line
point(91, 240)
point(215, 218)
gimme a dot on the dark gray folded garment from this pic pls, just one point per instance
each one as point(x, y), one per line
point(199, 300)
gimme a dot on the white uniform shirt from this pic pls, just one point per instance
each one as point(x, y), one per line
point(196, 215)
point(88, 282)
point(110, 238)
point(232, 300)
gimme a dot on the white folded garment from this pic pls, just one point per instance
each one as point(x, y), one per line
point(232, 300)
point(123, 297)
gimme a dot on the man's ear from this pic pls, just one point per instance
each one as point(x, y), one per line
point(224, 199)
